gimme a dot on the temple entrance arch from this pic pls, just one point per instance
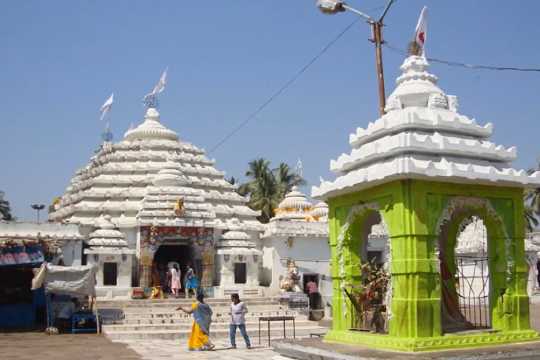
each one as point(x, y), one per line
point(169, 253)
point(470, 286)
point(177, 244)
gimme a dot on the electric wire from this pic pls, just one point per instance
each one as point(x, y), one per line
point(465, 65)
point(284, 87)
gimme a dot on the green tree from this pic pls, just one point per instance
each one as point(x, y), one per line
point(286, 179)
point(266, 187)
point(5, 209)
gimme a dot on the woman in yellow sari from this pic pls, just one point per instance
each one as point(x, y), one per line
point(200, 330)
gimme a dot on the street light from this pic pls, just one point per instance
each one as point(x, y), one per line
point(38, 208)
point(331, 7)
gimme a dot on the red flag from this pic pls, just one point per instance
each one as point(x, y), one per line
point(421, 29)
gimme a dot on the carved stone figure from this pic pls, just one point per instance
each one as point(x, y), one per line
point(292, 281)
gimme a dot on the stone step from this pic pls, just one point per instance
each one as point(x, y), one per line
point(275, 333)
point(172, 302)
point(175, 318)
point(108, 329)
point(255, 310)
point(215, 309)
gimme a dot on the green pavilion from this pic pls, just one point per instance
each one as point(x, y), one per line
point(424, 171)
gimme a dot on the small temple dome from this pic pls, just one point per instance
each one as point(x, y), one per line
point(151, 128)
point(294, 205)
point(235, 239)
point(106, 235)
point(320, 211)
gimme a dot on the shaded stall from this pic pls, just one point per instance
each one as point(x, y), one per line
point(20, 308)
point(75, 282)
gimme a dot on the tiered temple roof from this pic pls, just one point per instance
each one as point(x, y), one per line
point(139, 180)
point(422, 136)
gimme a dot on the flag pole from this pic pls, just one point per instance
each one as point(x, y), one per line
point(377, 39)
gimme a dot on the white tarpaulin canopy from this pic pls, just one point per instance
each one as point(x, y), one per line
point(66, 280)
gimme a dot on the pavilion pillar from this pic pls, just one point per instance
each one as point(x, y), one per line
point(416, 300)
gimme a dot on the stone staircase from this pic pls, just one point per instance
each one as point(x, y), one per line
point(130, 320)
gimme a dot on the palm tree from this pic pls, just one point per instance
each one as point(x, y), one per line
point(532, 203)
point(286, 179)
point(267, 187)
point(530, 219)
point(5, 209)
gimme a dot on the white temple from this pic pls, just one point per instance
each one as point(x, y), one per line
point(298, 233)
point(159, 192)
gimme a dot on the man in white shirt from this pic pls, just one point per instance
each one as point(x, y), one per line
point(238, 320)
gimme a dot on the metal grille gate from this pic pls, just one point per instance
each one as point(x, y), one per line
point(472, 286)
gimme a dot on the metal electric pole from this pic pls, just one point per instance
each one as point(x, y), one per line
point(378, 41)
point(336, 6)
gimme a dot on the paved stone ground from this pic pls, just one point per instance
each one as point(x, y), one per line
point(38, 346)
point(158, 349)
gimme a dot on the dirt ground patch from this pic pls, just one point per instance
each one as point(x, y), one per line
point(39, 346)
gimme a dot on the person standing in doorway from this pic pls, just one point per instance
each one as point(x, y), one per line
point(191, 282)
point(175, 280)
point(238, 320)
point(313, 292)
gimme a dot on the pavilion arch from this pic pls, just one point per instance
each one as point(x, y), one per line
point(499, 253)
point(351, 248)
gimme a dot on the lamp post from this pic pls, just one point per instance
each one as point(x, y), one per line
point(332, 7)
point(38, 208)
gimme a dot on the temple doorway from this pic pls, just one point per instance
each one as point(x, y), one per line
point(180, 254)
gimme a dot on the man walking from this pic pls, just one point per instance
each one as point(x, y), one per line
point(238, 319)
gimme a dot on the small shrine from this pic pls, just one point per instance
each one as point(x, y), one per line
point(295, 248)
point(238, 264)
point(108, 251)
point(423, 171)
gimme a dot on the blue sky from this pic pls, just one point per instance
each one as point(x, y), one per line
point(61, 59)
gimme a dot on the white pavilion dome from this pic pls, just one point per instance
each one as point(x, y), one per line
point(138, 181)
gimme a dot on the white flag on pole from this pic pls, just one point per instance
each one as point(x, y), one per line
point(160, 86)
point(421, 30)
point(106, 107)
point(151, 99)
